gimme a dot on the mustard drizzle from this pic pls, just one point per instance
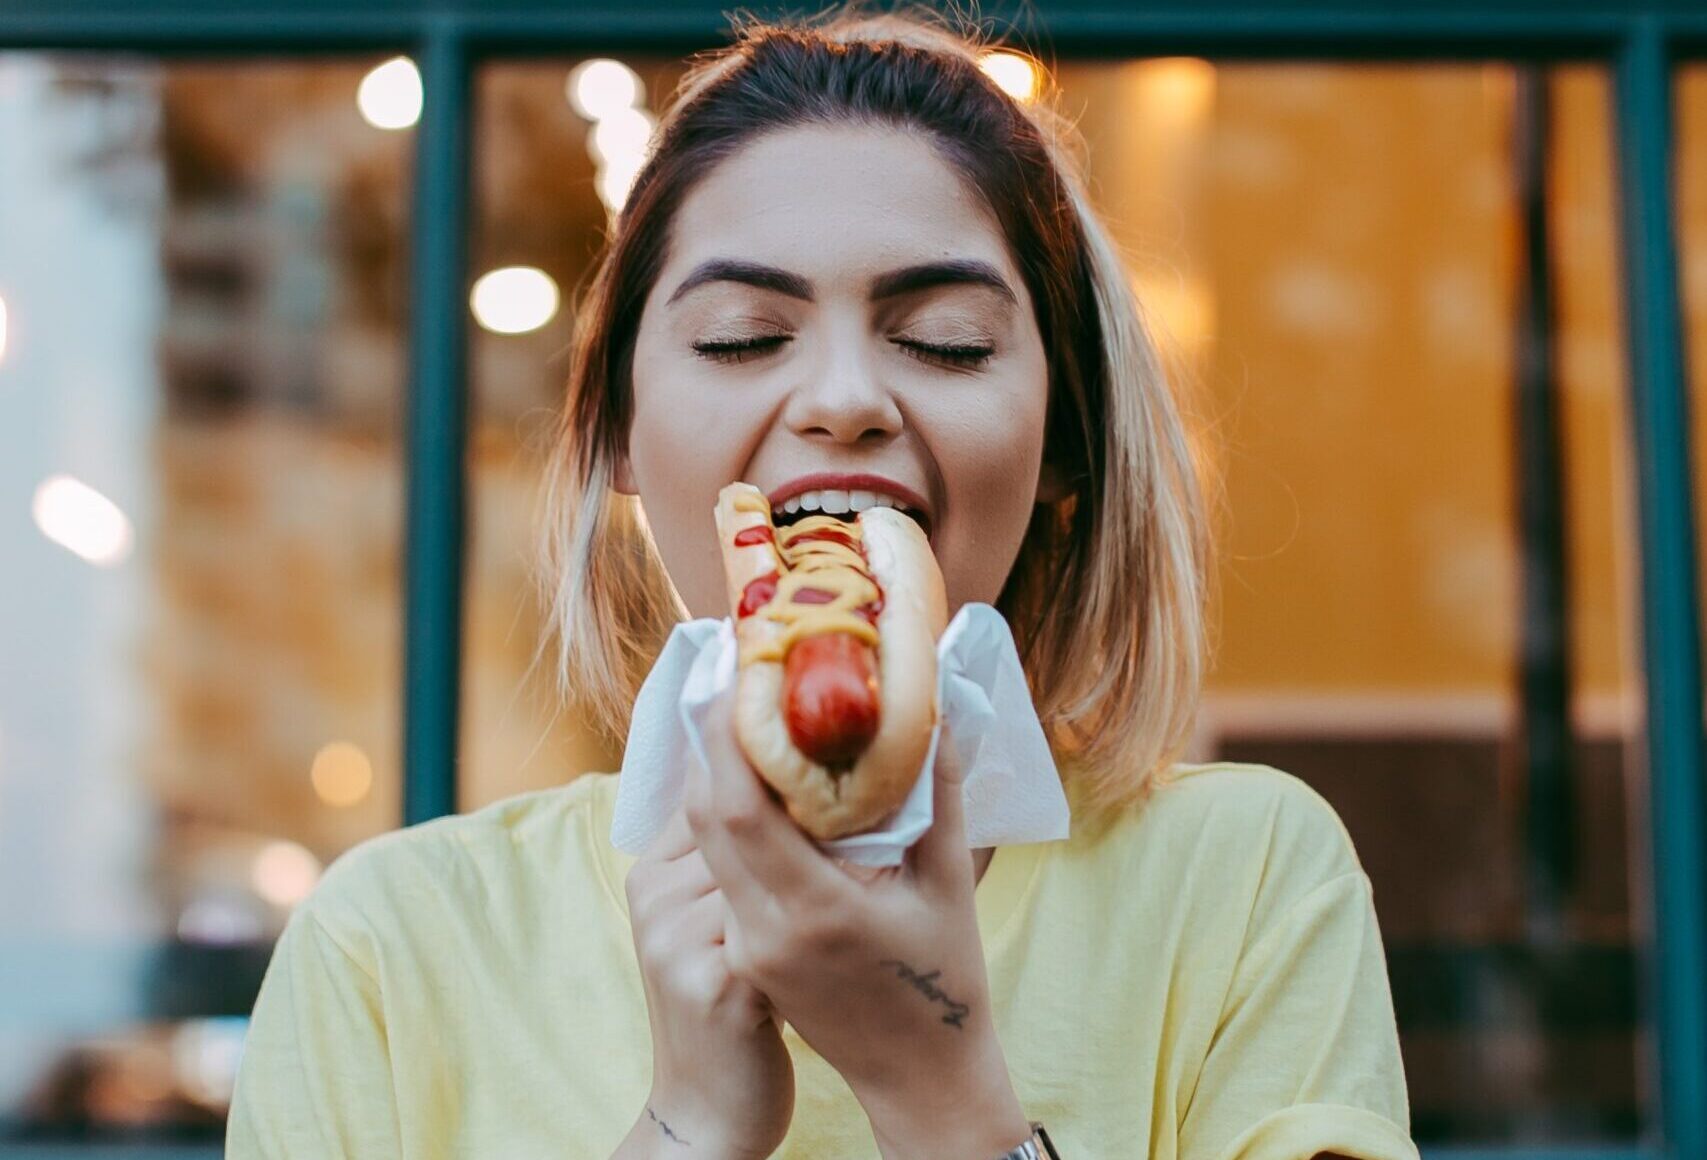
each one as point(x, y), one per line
point(822, 564)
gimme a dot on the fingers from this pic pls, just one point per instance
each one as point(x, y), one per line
point(754, 848)
point(702, 921)
point(940, 856)
point(670, 874)
point(703, 809)
point(659, 886)
point(673, 841)
point(674, 934)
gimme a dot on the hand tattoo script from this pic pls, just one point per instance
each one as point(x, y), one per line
point(926, 987)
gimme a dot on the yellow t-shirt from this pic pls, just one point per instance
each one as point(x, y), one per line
point(1204, 981)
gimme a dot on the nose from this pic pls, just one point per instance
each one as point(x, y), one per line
point(843, 399)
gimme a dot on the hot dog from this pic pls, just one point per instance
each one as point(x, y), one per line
point(836, 622)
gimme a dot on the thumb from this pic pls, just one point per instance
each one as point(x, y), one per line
point(941, 856)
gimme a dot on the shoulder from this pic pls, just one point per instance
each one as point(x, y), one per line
point(419, 874)
point(1235, 833)
point(1239, 803)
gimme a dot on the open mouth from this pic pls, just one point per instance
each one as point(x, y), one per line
point(783, 519)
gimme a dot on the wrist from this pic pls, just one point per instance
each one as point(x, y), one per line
point(667, 1126)
point(979, 1120)
point(965, 1138)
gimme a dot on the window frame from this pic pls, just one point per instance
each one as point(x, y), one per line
point(1641, 41)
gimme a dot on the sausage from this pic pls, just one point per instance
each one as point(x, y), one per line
point(830, 698)
point(835, 715)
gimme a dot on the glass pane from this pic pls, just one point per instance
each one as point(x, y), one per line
point(1331, 256)
point(1357, 235)
point(201, 367)
point(541, 210)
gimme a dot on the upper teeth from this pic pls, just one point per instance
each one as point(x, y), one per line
point(837, 502)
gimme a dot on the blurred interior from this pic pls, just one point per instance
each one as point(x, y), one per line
point(203, 336)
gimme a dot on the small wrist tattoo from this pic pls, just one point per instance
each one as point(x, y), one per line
point(669, 1135)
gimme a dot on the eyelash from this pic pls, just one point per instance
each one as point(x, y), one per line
point(737, 352)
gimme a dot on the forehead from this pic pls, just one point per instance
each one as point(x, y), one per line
point(836, 204)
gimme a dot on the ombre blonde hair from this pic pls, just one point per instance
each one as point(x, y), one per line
point(1108, 597)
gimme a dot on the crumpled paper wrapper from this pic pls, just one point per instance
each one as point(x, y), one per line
point(1012, 793)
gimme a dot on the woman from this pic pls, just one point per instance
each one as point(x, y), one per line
point(851, 254)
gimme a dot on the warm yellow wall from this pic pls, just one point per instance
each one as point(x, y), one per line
point(1348, 239)
point(1691, 193)
point(1600, 461)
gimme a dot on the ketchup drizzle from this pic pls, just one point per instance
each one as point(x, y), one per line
point(757, 594)
point(762, 591)
point(758, 534)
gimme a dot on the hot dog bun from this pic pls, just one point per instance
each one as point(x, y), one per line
point(831, 804)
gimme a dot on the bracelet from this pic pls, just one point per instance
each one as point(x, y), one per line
point(1028, 1150)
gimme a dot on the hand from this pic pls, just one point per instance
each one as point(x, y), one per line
point(881, 970)
point(722, 1079)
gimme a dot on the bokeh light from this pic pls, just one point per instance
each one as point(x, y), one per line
point(514, 299)
point(2, 328)
point(1014, 73)
point(1180, 89)
point(390, 95)
point(602, 88)
point(284, 873)
point(342, 774)
point(82, 520)
point(621, 136)
point(615, 179)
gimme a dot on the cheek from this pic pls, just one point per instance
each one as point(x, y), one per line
point(681, 428)
point(670, 402)
point(679, 442)
point(990, 464)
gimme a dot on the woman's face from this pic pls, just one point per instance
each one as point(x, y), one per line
point(809, 225)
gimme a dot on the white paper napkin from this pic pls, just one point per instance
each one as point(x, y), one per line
point(1012, 793)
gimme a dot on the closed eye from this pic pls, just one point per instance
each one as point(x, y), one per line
point(739, 351)
point(742, 350)
point(960, 356)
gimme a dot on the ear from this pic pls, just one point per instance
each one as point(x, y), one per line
point(1052, 486)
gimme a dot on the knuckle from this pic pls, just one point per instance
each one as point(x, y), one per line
point(816, 907)
point(698, 984)
point(834, 899)
point(655, 939)
point(738, 953)
point(652, 947)
point(766, 957)
point(695, 808)
point(696, 869)
point(814, 939)
point(745, 822)
point(643, 892)
point(821, 932)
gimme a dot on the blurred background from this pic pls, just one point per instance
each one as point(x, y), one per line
point(1429, 589)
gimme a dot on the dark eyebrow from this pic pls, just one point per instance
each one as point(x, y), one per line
point(957, 271)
